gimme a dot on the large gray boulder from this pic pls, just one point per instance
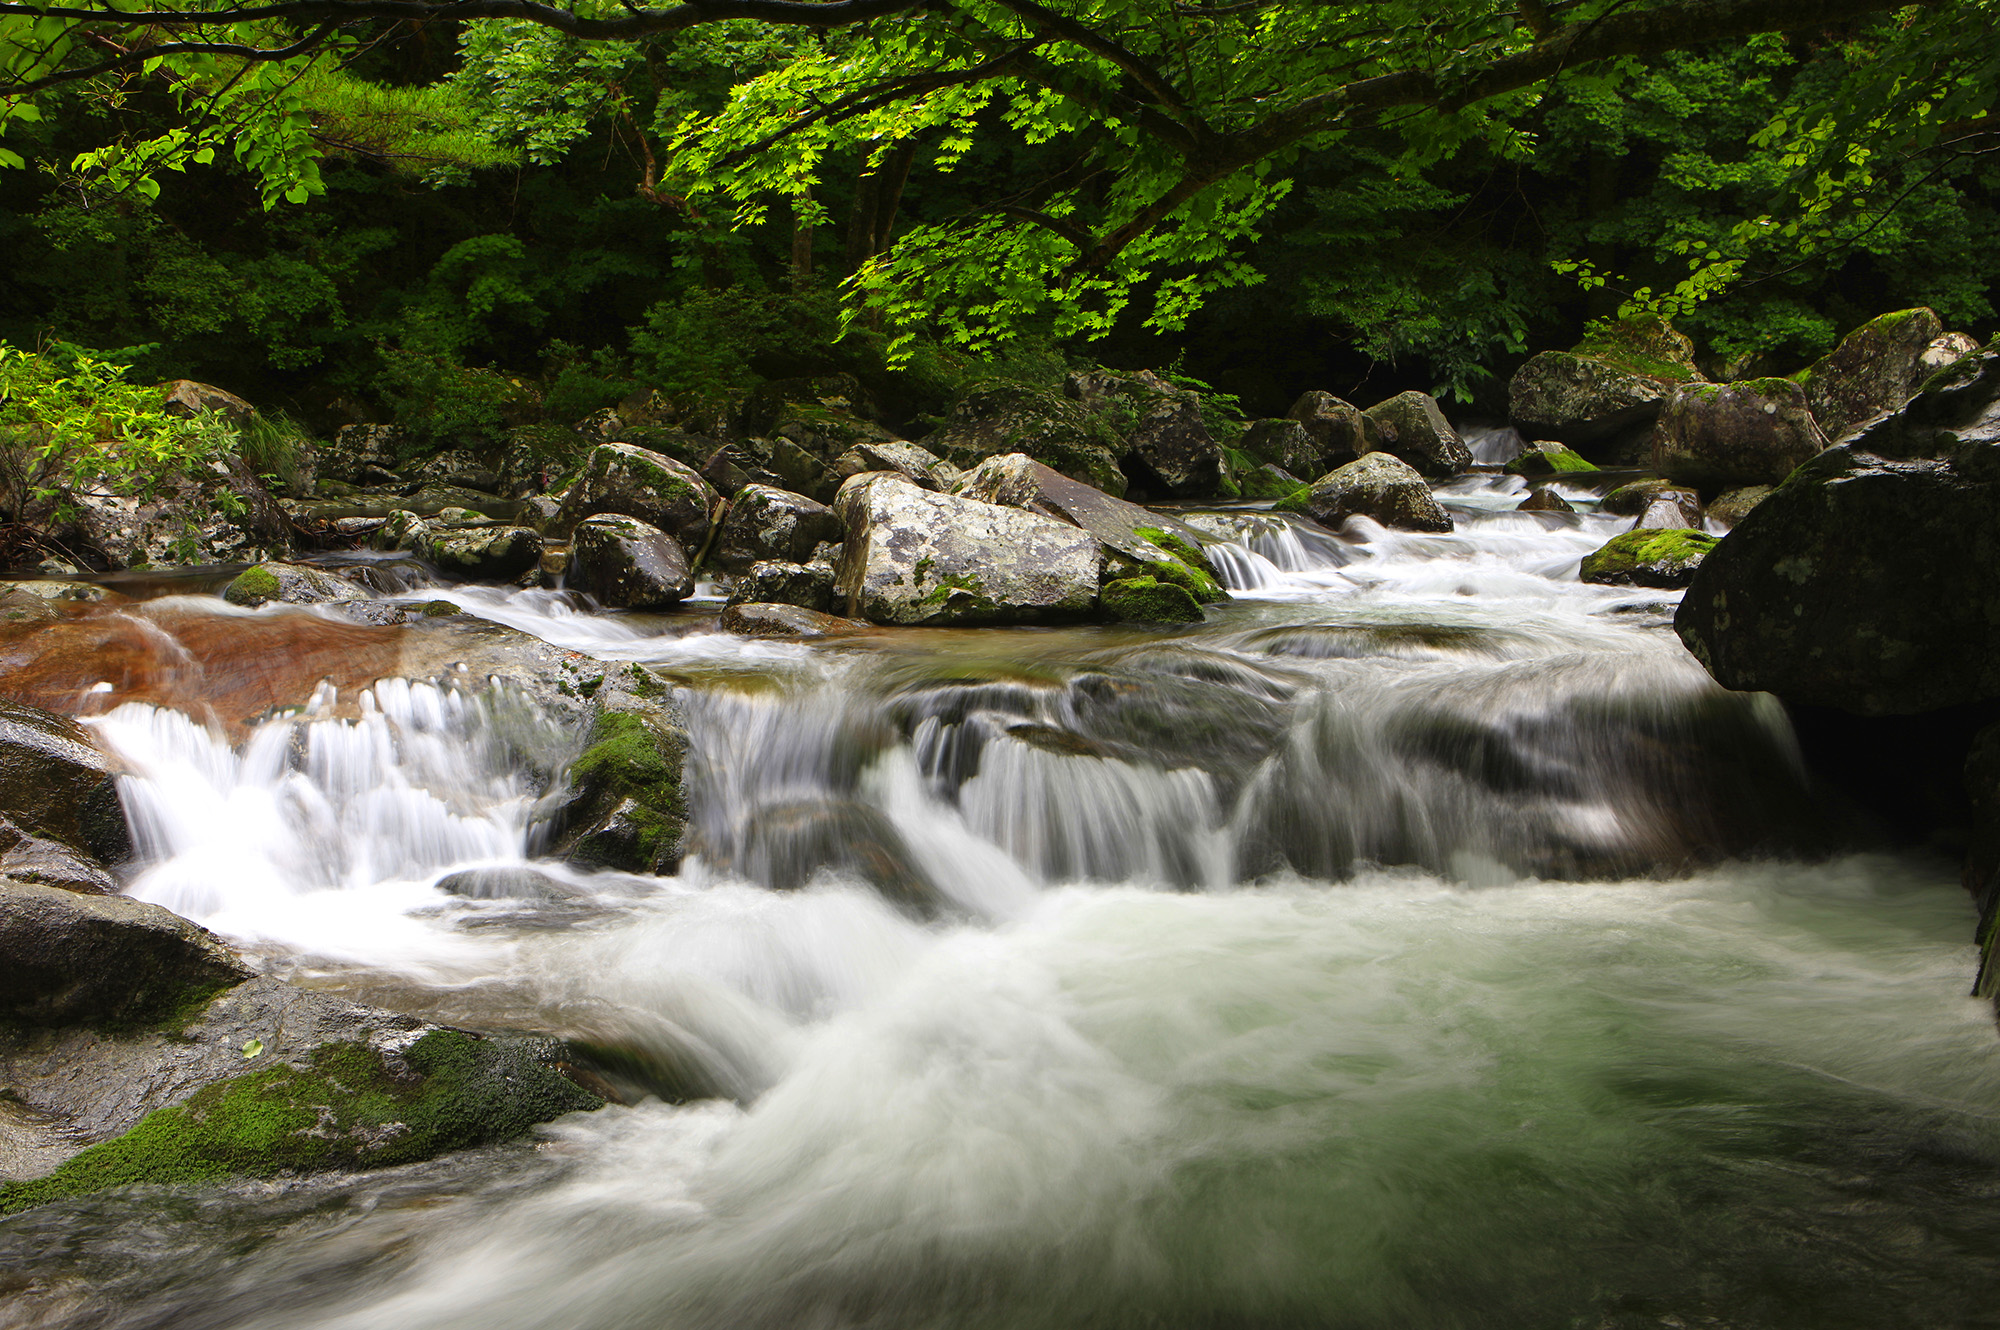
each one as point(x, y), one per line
point(1167, 444)
point(1717, 436)
point(1378, 486)
point(485, 552)
point(627, 564)
point(1608, 388)
point(1286, 444)
point(632, 482)
point(67, 958)
point(1412, 427)
point(1136, 540)
point(913, 557)
point(1340, 430)
point(918, 465)
point(769, 523)
point(1874, 369)
point(1867, 581)
point(995, 418)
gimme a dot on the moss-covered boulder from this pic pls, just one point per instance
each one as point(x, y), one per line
point(1867, 581)
point(1649, 558)
point(627, 481)
point(1149, 600)
point(1285, 444)
point(1715, 436)
point(1378, 486)
point(486, 552)
point(1874, 369)
point(1340, 431)
point(626, 564)
point(913, 557)
point(1609, 387)
point(1545, 457)
point(1413, 427)
point(625, 807)
point(995, 417)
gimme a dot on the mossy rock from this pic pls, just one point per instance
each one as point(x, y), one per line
point(1149, 600)
point(1649, 557)
point(1548, 458)
point(353, 1107)
point(1185, 564)
point(627, 809)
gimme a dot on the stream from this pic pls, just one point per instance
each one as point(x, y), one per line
point(1422, 941)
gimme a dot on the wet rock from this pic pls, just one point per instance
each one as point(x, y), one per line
point(625, 481)
point(1610, 386)
point(1866, 581)
point(480, 553)
point(995, 418)
point(786, 845)
point(1732, 506)
point(53, 590)
point(1667, 512)
point(218, 513)
point(1285, 444)
point(811, 586)
point(1716, 436)
point(1379, 486)
point(289, 585)
point(1149, 600)
point(920, 466)
point(767, 523)
point(624, 807)
point(1649, 558)
point(627, 564)
point(1545, 501)
point(69, 958)
point(1634, 499)
point(784, 621)
point(430, 501)
point(1167, 444)
point(55, 785)
point(1545, 457)
point(504, 884)
point(1135, 539)
point(1414, 429)
point(47, 863)
point(18, 606)
point(913, 557)
point(1874, 369)
point(1340, 430)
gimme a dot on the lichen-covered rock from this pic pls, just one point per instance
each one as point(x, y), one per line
point(1609, 386)
point(786, 622)
point(482, 553)
point(1285, 444)
point(776, 463)
point(1378, 486)
point(1874, 369)
point(1943, 351)
point(768, 523)
point(1545, 501)
point(918, 465)
point(1716, 436)
point(68, 958)
point(625, 808)
point(1149, 600)
point(55, 784)
point(811, 586)
point(626, 564)
point(1867, 581)
point(1413, 428)
point(1340, 430)
point(1730, 507)
point(913, 557)
point(1167, 444)
point(627, 481)
point(1648, 557)
point(996, 418)
point(287, 583)
point(355, 448)
point(1137, 539)
point(1545, 457)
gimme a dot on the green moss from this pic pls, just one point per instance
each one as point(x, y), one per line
point(437, 609)
point(1295, 502)
point(1549, 460)
point(1184, 564)
point(1264, 483)
point(1655, 557)
point(351, 1108)
point(251, 586)
point(631, 762)
point(962, 593)
point(1148, 600)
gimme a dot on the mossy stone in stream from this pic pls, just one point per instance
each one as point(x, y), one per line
point(1183, 565)
point(628, 811)
point(1149, 600)
point(1649, 557)
point(354, 1106)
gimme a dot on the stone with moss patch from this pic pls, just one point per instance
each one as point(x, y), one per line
point(1874, 369)
point(1149, 600)
point(288, 583)
point(1606, 389)
point(1649, 558)
point(629, 481)
point(1545, 457)
point(626, 807)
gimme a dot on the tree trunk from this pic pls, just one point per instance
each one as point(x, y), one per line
point(802, 244)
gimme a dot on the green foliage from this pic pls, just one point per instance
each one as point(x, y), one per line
point(446, 404)
point(709, 342)
point(70, 422)
point(274, 445)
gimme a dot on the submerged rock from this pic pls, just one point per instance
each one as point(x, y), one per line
point(1867, 581)
point(1714, 436)
point(627, 564)
point(1874, 369)
point(913, 557)
point(1648, 557)
point(786, 845)
point(1413, 428)
point(1378, 486)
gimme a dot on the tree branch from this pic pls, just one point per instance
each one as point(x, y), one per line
point(142, 54)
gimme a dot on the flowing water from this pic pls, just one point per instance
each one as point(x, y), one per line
point(1423, 941)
